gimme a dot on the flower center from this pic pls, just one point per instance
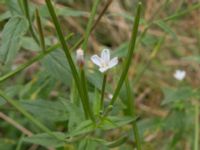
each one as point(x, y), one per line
point(104, 64)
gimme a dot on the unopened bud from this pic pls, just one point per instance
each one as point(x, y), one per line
point(80, 57)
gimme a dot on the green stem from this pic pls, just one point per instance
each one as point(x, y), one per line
point(20, 141)
point(103, 92)
point(181, 13)
point(131, 111)
point(27, 14)
point(89, 25)
point(40, 30)
point(84, 47)
point(67, 54)
point(196, 138)
point(15, 104)
point(33, 60)
point(84, 87)
point(129, 55)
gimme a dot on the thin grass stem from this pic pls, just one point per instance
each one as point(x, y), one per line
point(89, 25)
point(40, 30)
point(196, 138)
point(27, 14)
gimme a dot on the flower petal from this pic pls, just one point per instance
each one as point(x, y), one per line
point(103, 69)
point(105, 55)
point(113, 62)
point(179, 74)
point(96, 60)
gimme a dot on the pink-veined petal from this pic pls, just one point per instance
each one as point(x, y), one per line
point(96, 60)
point(113, 62)
point(105, 55)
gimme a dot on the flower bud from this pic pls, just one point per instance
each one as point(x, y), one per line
point(80, 58)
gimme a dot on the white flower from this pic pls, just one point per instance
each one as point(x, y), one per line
point(180, 75)
point(104, 62)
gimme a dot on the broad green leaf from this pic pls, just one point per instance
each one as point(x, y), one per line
point(46, 140)
point(11, 91)
point(2, 101)
point(121, 51)
point(13, 7)
point(30, 44)
point(47, 110)
point(57, 66)
point(174, 95)
point(14, 29)
point(5, 15)
point(176, 120)
point(95, 78)
point(76, 115)
point(113, 122)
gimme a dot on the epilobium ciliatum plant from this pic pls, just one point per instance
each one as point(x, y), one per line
point(87, 111)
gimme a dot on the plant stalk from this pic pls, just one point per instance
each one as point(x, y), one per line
point(40, 30)
point(103, 92)
point(129, 55)
point(68, 55)
point(196, 138)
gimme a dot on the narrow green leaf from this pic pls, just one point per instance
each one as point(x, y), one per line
point(46, 140)
point(15, 28)
point(112, 122)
